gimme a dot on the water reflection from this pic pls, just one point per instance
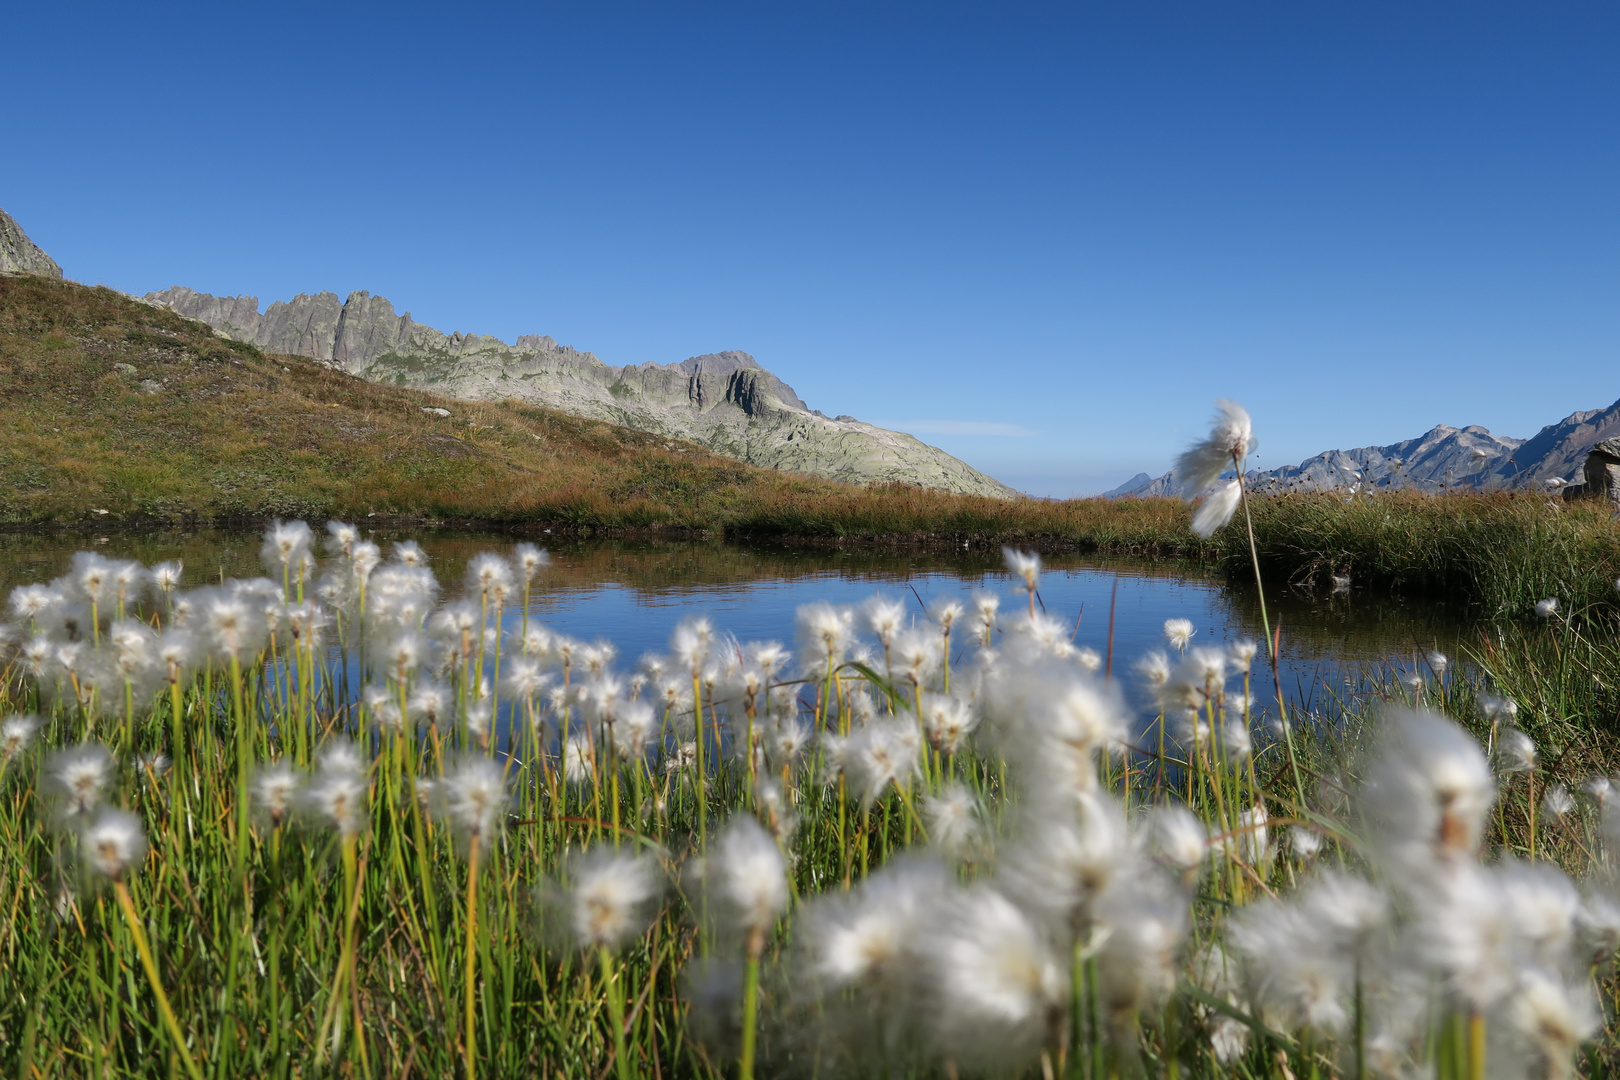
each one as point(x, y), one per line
point(634, 592)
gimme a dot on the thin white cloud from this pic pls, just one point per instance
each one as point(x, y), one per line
point(958, 427)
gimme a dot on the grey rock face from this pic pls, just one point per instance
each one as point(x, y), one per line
point(725, 401)
point(1602, 473)
point(1442, 459)
point(20, 255)
point(1134, 486)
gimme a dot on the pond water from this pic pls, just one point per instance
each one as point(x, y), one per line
point(634, 593)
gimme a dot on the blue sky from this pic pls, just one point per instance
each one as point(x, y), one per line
point(1043, 237)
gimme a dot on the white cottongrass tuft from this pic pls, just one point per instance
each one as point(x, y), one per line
point(1515, 752)
point(951, 817)
point(1025, 566)
point(884, 617)
point(946, 612)
point(610, 898)
point(1178, 632)
point(1217, 509)
point(1428, 789)
point(275, 790)
point(1306, 843)
point(472, 796)
point(865, 938)
point(1154, 669)
point(529, 560)
point(1178, 839)
point(165, 576)
point(1558, 802)
point(1001, 986)
point(948, 720)
point(112, 843)
point(1552, 1016)
point(286, 547)
point(880, 754)
point(489, 577)
point(16, 732)
point(30, 602)
point(748, 876)
point(692, 640)
point(1230, 440)
point(824, 635)
point(336, 794)
point(75, 777)
point(1547, 608)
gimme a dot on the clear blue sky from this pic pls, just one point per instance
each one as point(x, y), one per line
point(1077, 221)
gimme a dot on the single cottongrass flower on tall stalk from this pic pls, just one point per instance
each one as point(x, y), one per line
point(1515, 752)
point(746, 876)
point(609, 900)
point(1230, 441)
point(529, 560)
point(1026, 567)
point(691, 643)
point(110, 845)
point(75, 779)
point(336, 795)
point(275, 790)
point(472, 797)
point(287, 551)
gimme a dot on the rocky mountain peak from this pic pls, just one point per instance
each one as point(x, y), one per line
point(20, 255)
point(724, 400)
point(723, 363)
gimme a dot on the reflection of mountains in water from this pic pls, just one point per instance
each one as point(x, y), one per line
point(1438, 460)
point(1357, 628)
point(649, 565)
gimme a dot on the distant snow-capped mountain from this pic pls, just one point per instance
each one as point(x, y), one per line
point(1439, 460)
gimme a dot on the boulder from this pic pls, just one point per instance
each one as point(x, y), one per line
point(1603, 471)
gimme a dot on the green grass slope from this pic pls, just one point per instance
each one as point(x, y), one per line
point(195, 427)
point(108, 404)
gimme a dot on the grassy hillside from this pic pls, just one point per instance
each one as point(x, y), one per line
point(231, 433)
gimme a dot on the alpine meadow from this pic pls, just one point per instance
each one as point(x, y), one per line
point(348, 819)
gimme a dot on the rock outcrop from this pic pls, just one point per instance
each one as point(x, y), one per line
point(725, 401)
point(1442, 459)
point(20, 255)
point(1602, 472)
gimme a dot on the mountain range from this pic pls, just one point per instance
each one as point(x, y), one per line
point(724, 401)
point(1441, 459)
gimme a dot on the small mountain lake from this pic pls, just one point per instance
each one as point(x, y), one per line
point(633, 593)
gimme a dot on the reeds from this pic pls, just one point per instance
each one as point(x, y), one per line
point(916, 851)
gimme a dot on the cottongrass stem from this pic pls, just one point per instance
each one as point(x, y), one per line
point(111, 844)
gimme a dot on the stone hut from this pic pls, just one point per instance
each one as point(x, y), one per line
point(1603, 471)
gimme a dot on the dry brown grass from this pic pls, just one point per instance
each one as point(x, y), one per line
point(235, 434)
